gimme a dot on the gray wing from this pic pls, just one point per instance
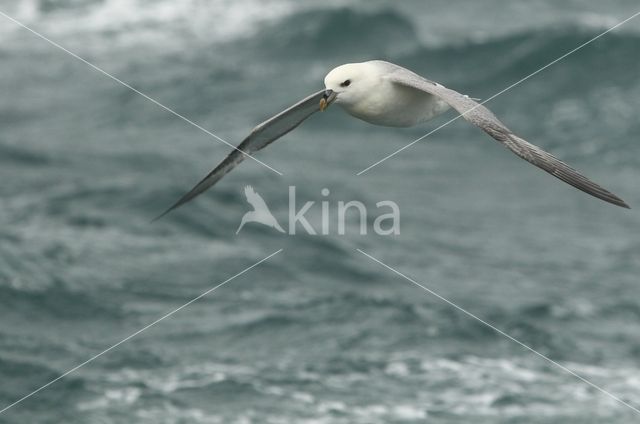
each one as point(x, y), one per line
point(260, 137)
point(486, 120)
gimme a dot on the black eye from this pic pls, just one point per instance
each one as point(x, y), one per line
point(345, 83)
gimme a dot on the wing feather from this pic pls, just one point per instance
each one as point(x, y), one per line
point(260, 137)
point(482, 117)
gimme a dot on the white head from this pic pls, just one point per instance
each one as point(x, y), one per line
point(352, 82)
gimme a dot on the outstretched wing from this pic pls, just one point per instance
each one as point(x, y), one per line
point(260, 137)
point(486, 120)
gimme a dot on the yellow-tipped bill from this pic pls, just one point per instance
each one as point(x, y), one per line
point(327, 99)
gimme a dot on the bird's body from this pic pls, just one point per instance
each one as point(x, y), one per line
point(383, 93)
point(419, 107)
point(382, 102)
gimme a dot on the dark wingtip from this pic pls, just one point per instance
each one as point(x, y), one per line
point(174, 206)
point(160, 216)
point(613, 199)
point(623, 204)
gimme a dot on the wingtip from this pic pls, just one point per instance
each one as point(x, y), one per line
point(615, 200)
point(157, 218)
point(164, 213)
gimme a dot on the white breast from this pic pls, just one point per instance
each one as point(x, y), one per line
point(392, 105)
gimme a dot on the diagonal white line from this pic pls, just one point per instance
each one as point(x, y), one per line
point(586, 43)
point(119, 81)
point(167, 315)
point(461, 309)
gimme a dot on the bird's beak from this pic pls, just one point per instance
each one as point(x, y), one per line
point(327, 99)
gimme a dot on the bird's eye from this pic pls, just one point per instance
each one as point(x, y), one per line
point(345, 83)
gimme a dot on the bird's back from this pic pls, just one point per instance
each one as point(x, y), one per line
point(392, 105)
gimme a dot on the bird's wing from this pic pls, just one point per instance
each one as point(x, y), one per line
point(260, 137)
point(486, 120)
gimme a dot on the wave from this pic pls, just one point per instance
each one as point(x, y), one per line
point(58, 302)
point(21, 376)
point(158, 22)
point(58, 305)
point(12, 154)
point(18, 376)
point(349, 35)
point(297, 29)
point(339, 35)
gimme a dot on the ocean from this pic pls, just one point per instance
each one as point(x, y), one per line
point(319, 332)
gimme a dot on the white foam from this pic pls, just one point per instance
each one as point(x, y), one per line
point(161, 22)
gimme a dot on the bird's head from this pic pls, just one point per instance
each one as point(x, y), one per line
point(348, 84)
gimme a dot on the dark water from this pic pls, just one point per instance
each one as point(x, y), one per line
point(319, 333)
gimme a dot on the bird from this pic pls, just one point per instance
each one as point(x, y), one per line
point(386, 94)
point(260, 212)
